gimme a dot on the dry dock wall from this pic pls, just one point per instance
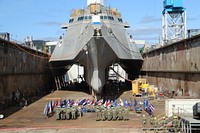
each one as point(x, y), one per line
point(175, 67)
point(23, 72)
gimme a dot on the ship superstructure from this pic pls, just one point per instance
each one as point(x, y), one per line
point(96, 38)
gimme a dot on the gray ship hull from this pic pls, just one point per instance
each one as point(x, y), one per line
point(96, 47)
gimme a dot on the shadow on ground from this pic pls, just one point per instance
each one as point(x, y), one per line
point(112, 90)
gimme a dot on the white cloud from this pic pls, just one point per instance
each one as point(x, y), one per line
point(192, 19)
point(49, 38)
point(146, 31)
point(149, 34)
point(50, 23)
point(150, 19)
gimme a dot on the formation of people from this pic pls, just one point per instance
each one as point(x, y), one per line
point(103, 113)
point(88, 105)
point(166, 123)
point(105, 109)
point(68, 113)
point(112, 113)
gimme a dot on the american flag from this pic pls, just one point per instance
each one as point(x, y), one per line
point(151, 107)
point(71, 102)
point(92, 102)
point(100, 102)
point(55, 104)
point(88, 101)
point(82, 101)
point(108, 103)
point(85, 102)
point(95, 103)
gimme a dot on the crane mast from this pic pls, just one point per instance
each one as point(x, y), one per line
point(173, 21)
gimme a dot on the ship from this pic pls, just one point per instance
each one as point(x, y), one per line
point(96, 37)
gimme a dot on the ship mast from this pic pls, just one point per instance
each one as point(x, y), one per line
point(89, 2)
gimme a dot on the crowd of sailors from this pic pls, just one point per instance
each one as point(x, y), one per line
point(167, 124)
point(105, 109)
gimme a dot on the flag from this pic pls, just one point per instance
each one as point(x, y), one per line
point(77, 102)
point(71, 102)
point(45, 109)
point(59, 103)
point(68, 102)
point(115, 103)
point(100, 102)
point(121, 103)
point(130, 103)
point(151, 107)
point(52, 103)
point(145, 103)
point(95, 103)
point(108, 103)
point(105, 103)
point(50, 107)
point(92, 102)
point(84, 102)
point(63, 103)
point(55, 104)
point(125, 103)
point(88, 101)
point(135, 103)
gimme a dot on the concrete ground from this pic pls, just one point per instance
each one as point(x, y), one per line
point(30, 119)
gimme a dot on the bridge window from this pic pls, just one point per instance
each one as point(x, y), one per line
point(71, 20)
point(87, 17)
point(105, 17)
point(120, 20)
point(80, 18)
point(110, 18)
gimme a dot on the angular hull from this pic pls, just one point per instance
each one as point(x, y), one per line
point(96, 43)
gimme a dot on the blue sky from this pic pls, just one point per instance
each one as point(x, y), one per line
point(42, 18)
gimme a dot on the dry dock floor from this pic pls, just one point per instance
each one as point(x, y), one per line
point(31, 119)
